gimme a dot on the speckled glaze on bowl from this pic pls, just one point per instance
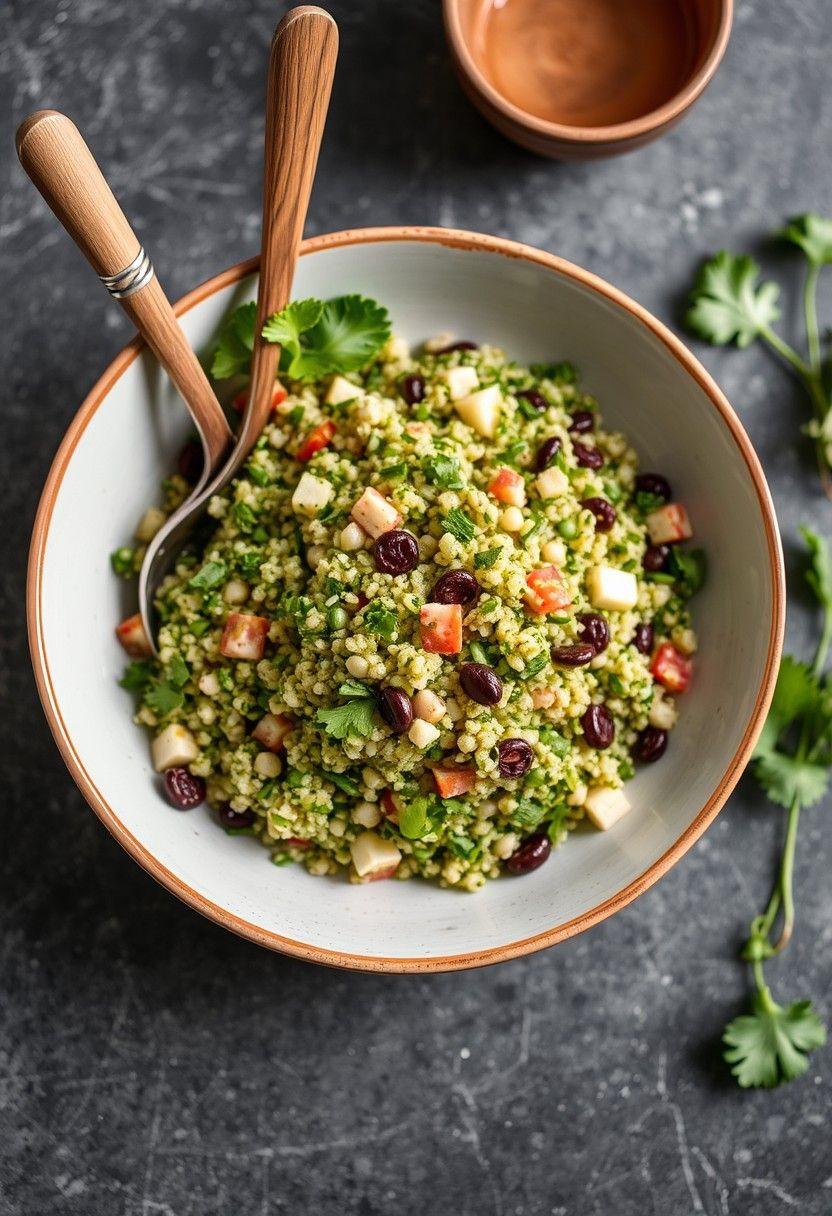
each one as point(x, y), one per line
point(123, 440)
point(560, 141)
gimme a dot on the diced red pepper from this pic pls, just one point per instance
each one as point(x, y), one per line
point(317, 439)
point(391, 805)
point(508, 486)
point(272, 730)
point(547, 591)
point(133, 638)
point(387, 872)
point(669, 524)
point(296, 842)
point(671, 668)
point(244, 636)
point(453, 782)
point(279, 394)
point(440, 626)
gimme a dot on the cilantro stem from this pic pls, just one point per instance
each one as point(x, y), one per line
point(810, 309)
point(782, 348)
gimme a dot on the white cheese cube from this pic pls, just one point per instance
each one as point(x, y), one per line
point(351, 538)
point(460, 381)
point(341, 389)
point(422, 734)
point(149, 524)
point(481, 410)
point(551, 483)
point(174, 748)
point(669, 524)
point(615, 590)
point(605, 806)
point(209, 685)
point(311, 494)
point(373, 856)
point(375, 514)
point(663, 711)
point(368, 814)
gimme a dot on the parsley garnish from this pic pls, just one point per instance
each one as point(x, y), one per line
point(355, 717)
point(729, 304)
point(459, 525)
point(769, 1046)
point(484, 561)
point(689, 568)
point(317, 338)
point(137, 675)
point(443, 471)
point(563, 372)
point(210, 575)
point(380, 620)
point(162, 697)
point(232, 356)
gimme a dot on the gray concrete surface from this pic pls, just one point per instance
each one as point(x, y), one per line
point(153, 1065)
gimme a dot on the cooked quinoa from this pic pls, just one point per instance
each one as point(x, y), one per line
point(325, 699)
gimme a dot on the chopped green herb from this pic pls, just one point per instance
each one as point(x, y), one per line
point(232, 356)
point(123, 561)
point(459, 525)
point(394, 472)
point(413, 818)
point(210, 575)
point(342, 782)
point(318, 338)
point(244, 517)
point(137, 675)
point(443, 471)
point(380, 620)
point(484, 561)
point(563, 372)
point(355, 718)
point(163, 698)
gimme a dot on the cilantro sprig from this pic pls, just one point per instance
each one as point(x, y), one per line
point(355, 717)
point(317, 337)
point(729, 303)
point(770, 1045)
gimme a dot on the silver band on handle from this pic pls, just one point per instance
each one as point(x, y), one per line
point(133, 278)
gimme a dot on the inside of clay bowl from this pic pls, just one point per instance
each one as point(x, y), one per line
point(126, 440)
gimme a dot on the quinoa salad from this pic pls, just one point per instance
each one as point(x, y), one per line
point(436, 622)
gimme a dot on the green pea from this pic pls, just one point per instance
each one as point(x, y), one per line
point(568, 528)
point(336, 617)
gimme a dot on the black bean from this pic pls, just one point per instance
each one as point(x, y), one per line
point(532, 853)
point(655, 558)
point(651, 744)
point(236, 819)
point(603, 511)
point(654, 483)
point(578, 654)
point(412, 388)
point(583, 421)
point(481, 683)
point(594, 630)
point(643, 637)
point(183, 790)
point(547, 452)
point(534, 398)
point(396, 552)
point(396, 709)
point(587, 457)
point(454, 587)
point(452, 346)
point(598, 726)
point(190, 461)
point(515, 757)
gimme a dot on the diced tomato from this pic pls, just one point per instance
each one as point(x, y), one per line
point(279, 394)
point(387, 872)
point(669, 524)
point(671, 668)
point(317, 439)
point(453, 782)
point(296, 842)
point(547, 592)
point(133, 638)
point(271, 731)
point(391, 805)
point(244, 636)
point(441, 628)
point(508, 486)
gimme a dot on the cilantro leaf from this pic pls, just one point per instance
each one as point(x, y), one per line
point(795, 694)
point(728, 304)
point(353, 689)
point(380, 620)
point(689, 568)
point(443, 471)
point(770, 1045)
point(163, 698)
point(341, 335)
point(483, 561)
point(813, 234)
point(355, 718)
point(819, 574)
point(235, 343)
point(564, 372)
point(137, 675)
point(177, 672)
point(459, 525)
point(210, 575)
point(787, 779)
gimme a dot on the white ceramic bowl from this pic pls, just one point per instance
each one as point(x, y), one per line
point(537, 307)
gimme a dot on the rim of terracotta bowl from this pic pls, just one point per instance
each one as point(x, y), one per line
point(453, 239)
point(622, 132)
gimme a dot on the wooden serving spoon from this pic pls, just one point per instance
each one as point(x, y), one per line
point(301, 68)
point(56, 158)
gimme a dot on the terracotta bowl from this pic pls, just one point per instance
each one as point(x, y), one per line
point(124, 440)
point(706, 26)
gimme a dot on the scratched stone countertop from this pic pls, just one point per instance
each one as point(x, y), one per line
point(152, 1064)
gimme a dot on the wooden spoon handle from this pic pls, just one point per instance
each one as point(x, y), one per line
point(301, 69)
point(56, 158)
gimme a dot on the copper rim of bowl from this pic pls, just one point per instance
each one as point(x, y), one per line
point(635, 129)
point(34, 593)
